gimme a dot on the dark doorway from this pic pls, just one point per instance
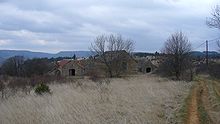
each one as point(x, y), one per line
point(72, 72)
point(148, 70)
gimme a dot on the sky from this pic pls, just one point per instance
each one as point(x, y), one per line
point(61, 25)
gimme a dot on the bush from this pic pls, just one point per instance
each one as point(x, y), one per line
point(93, 75)
point(17, 82)
point(214, 70)
point(166, 69)
point(42, 88)
point(13, 66)
point(201, 69)
point(37, 67)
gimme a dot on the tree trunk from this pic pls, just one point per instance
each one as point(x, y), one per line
point(2, 94)
point(110, 72)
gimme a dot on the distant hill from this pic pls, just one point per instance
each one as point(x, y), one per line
point(27, 54)
point(71, 53)
point(211, 54)
point(5, 54)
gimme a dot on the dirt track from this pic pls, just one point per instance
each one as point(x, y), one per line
point(199, 107)
point(193, 117)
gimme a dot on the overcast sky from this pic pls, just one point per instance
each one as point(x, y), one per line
point(55, 25)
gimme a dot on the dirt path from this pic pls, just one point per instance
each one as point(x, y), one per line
point(193, 116)
point(199, 105)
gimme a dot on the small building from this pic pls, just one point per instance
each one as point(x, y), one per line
point(145, 66)
point(121, 63)
point(70, 68)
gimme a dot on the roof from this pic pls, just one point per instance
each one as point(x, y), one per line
point(64, 62)
point(80, 63)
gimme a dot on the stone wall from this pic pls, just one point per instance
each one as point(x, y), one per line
point(65, 71)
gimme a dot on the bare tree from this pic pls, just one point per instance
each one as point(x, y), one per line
point(37, 66)
point(13, 66)
point(177, 48)
point(109, 49)
point(214, 20)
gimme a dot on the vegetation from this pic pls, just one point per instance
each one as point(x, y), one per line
point(144, 98)
point(214, 20)
point(142, 54)
point(183, 112)
point(202, 102)
point(140, 99)
point(42, 88)
point(38, 67)
point(61, 58)
point(106, 100)
point(109, 50)
point(177, 49)
point(204, 118)
point(19, 67)
point(214, 69)
point(2, 87)
point(13, 66)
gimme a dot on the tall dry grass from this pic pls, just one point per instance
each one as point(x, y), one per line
point(135, 100)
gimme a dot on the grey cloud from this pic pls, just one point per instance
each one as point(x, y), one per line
point(73, 24)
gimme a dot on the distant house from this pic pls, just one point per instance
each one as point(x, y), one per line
point(145, 65)
point(121, 62)
point(70, 68)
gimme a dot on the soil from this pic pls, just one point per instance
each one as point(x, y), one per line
point(199, 98)
point(193, 116)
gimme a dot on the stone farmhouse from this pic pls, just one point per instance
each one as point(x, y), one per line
point(69, 67)
point(145, 65)
point(94, 65)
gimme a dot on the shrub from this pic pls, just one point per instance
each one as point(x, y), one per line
point(13, 66)
point(214, 70)
point(42, 88)
point(93, 75)
point(167, 69)
point(201, 69)
point(37, 67)
point(18, 82)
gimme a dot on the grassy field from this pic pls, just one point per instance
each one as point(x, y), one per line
point(142, 99)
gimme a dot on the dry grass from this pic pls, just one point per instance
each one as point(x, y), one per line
point(139, 99)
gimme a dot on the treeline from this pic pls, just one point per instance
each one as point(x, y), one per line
point(143, 54)
point(20, 74)
point(61, 58)
point(18, 66)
